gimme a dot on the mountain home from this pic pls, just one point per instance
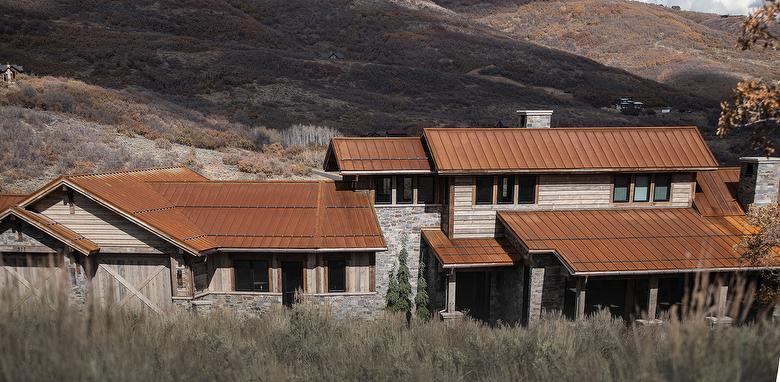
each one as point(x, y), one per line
point(506, 223)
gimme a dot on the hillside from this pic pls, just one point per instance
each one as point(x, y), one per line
point(688, 50)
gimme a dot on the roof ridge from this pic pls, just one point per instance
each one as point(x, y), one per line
point(239, 181)
point(368, 138)
point(77, 175)
point(677, 127)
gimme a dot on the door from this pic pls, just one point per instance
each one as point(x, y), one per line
point(292, 280)
point(32, 277)
point(141, 283)
point(472, 294)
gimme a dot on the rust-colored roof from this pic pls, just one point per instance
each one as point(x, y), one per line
point(464, 150)
point(717, 193)
point(453, 253)
point(367, 155)
point(56, 230)
point(277, 214)
point(9, 200)
point(632, 241)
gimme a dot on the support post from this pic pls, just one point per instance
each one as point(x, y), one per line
point(652, 301)
point(720, 319)
point(723, 292)
point(451, 287)
point(580, 306)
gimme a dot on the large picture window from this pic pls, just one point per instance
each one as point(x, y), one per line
point(662, 187)
point(506, 189)
point(526, 189)
point(384, 190)
point(484, 190)
point(251, 275)
point(337, 275)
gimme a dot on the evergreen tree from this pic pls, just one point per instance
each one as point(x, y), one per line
point(392, 291)
point(421, 298)
point(399, 289)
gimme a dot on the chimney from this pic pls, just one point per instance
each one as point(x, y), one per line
point(759, 179)
point(535, 118)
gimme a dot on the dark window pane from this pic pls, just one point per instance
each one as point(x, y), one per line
point(620, 192)
point(405, 190)
point(425, 190)
point(506, 189)
point(663, 185)
point(642, 188)
point(446, 190)
point(337, 275)
point(384, 190)
point(251, 275)
point(527, 189)
point(484, 190)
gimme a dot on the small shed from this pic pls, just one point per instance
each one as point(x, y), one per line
point(10, 71)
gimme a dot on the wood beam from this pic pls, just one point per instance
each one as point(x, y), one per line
point(580, 298)
point(720, 303)
point(451, 287)
point(652, 300)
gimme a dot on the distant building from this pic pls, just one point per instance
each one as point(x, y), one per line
point(626, 105)
point(676, 7)
point(10, 71)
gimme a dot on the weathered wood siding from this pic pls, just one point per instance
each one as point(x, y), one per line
point(553, 192)
point(32, 239)
point(101, 225)
point(138, 282)
point(32, 276)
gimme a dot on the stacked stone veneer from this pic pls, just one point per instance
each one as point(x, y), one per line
point(397, 223)
point(238, 302)
point(760, 186)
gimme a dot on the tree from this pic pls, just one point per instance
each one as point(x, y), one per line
point(399, 291)
point(421, 298)
point(756, 102)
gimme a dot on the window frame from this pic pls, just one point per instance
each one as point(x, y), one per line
point(668, 188)
point(268, 278)
point(511, 185)
point(328, 278)
point(433, 189)
point(377, 181)
point(629, 183)
point(649, 188)
point(479, 202)
point(533, 188)
point(399, 189)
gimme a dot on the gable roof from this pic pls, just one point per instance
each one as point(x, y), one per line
point(469, 150)
point(464, 253)
point(9, 200)
point(716, 193)
point(200, 215)
point(376, 155)
point(632, 240)
point(54, 229)
point(5, 67)
point(302, 215)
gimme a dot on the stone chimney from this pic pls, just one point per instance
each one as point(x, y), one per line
point(759, 179)
point(535, 118)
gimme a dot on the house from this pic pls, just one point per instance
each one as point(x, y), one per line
point(503, 223)
point(10, 71)
point(626, 105)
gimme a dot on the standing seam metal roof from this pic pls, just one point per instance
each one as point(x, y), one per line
point(379, 154)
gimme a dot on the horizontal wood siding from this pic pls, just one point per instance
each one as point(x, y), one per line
point(99, 224)
point(553, 192)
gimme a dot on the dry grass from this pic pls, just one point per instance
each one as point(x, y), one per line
point(39, 343)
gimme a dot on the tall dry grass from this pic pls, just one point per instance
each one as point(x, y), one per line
point(52, 342)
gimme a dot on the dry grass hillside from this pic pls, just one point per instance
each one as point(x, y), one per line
point(691, 51)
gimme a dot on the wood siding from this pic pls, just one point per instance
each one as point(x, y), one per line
point(553, 192)
point(99, 224)
point(134, 282)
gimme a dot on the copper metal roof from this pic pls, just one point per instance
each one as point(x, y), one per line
point(56, 230)
point(367, 155)
point(277, 214)
point(9, 200)
point(716, 194)
point(465, 150)
point(632, 241)
point(454, 253)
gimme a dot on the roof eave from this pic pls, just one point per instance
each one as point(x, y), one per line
point(576, 170)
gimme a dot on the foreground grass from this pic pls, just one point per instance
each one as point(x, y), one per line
point(302, 344)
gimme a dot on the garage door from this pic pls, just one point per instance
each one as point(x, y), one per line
point(141, 283)
point(26, 277)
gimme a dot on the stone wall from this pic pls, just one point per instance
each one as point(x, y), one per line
point(241, 303)
point(363, 305)
point(397, 221)
point(506, 295)
point(548, 286)
point(759, 185)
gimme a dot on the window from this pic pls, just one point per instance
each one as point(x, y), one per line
point(527, 189)
point(748, 168)
point(384, 190)
point(506, 189)
point(405, 190)
point(446, 187)
point(251, 275)
point(484, 190)
point(642, 188)
point(621, 189)
point(663, 185)
point(425, 190)
point(337, 275)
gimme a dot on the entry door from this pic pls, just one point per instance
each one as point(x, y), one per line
point(472, 294)
point(292, 280)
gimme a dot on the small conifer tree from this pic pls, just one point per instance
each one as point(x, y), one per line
point(392, 291)
point(421, 299)
point(399, 290)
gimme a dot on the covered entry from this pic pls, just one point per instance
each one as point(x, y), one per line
point(138, 282)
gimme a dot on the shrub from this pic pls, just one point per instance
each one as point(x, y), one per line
point(58, 100)
point(162, 143)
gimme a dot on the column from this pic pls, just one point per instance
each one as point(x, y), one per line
point(579, 313)
point(451, 287)
point(652, 301)
point(720, 304)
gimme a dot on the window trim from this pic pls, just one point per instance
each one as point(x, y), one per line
point(269, 273)
point(649, 188)
point(377, 179)
point(668, 189)
point(535, 190)
point(492, 191)
point(399, 189)
point(417, 189)
point(326, 264)
point(512, 199)
point(629, 188)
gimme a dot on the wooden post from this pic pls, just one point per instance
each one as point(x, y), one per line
point(723, 291)
point(451, 292)
point(652, 301)
point(580, 305)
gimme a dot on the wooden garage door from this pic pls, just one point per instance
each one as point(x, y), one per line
point(141, 283)
point(26, 277)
